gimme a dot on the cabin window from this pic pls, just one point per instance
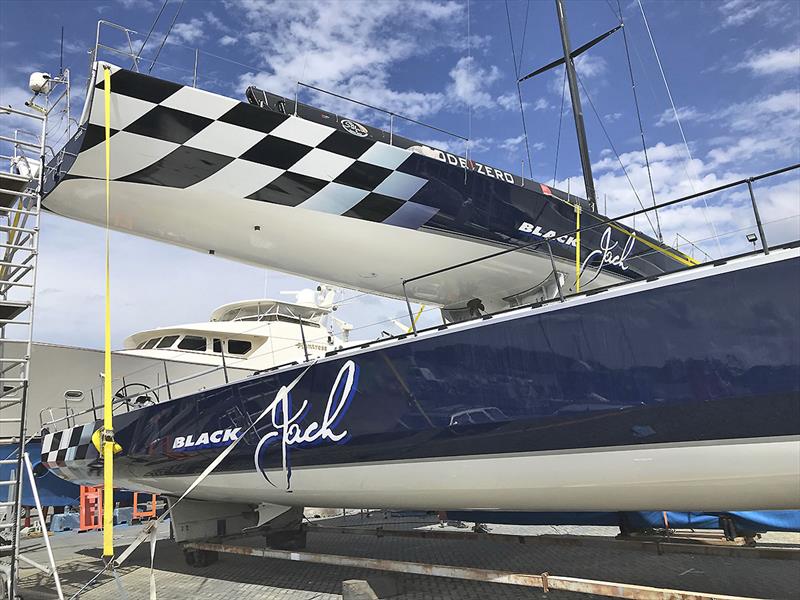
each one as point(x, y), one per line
point(167, 341)
point(193, 342)
point(239, 347)
point(151, 343)
point(217, 346)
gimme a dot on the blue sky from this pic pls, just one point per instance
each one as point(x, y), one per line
point(733, 67)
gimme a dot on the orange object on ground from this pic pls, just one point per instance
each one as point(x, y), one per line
point(138, 514)
point(91, 509)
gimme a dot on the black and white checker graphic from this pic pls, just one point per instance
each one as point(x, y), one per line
point(182, 137)
point(68, 445)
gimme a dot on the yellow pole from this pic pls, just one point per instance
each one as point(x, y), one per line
point(578, 248)
point(108, 413)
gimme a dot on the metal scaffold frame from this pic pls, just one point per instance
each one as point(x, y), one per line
point(22, 181)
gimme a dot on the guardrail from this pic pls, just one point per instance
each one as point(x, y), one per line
point(129, 400)
point(192, 71)
point(131, 393)
point(554, 273)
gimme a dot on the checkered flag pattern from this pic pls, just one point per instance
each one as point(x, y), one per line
point(171, 135)
point(68, 445)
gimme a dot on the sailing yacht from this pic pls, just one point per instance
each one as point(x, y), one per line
point(255, 181)
point(638, 380)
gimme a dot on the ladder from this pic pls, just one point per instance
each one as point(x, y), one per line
point(21, 187)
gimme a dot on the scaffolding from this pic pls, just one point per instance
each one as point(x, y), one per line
point(24, 154)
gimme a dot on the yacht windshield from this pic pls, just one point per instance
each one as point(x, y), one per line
point(275, 311)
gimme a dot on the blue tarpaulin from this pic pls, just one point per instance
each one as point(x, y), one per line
point(756, 521)
point(53, 491)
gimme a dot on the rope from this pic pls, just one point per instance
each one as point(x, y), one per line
point(150, 531)
point(108, 403)
point(524, 33)
point(614, 149)
point(639, 118)
point(680, 127)
point(519, 91)
point(577, 248)
point(469, 105)
point(164, 41)
point(153, 26)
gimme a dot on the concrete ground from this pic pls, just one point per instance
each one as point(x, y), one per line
point(244, 577)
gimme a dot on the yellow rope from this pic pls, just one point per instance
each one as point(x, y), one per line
point(419, 314)
point(577, 248)
point(108, 413)
point(674, 254)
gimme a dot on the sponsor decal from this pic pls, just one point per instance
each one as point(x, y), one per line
point(354, 128)
point(607, 254)
point(206, 439)
point(610, 252)
point(460, 161)
point(548, 235)
point(293, 429)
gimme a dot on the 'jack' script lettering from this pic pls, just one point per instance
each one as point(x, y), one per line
point(291, 429)
point(607, 256)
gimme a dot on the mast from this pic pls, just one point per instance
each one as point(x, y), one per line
point(577, 111)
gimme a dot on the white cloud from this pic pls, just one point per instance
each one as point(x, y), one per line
point(769, 62)
point(227, 40)
point(541, 104)
point(735, 13)
point(762, 135)
point(214, 20)
point(190, 32)
point(738, 12)
point(350, 47)
point(15, 97)
point(590, 65)
point(685, 113)
point(511, 144)
point(775, 118)
point(137, 4)
point(470, 83)
point(510, 101)
point(612, 117)
point(764, 126)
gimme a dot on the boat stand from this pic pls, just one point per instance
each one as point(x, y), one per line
point(542, 581)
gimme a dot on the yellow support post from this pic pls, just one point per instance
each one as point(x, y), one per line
point(578, 248)
point(108, 412)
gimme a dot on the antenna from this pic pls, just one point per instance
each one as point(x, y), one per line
point(61, 58)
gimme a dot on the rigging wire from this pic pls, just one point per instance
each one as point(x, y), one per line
point(610, 143)
point(469, 104)
point(639, 119)
point(149, 33)
point(519, 91)
point(164, 41)
point(560, 121)
point(524, 33)
point(680, 127)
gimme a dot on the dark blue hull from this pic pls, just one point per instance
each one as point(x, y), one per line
point(703, 358)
